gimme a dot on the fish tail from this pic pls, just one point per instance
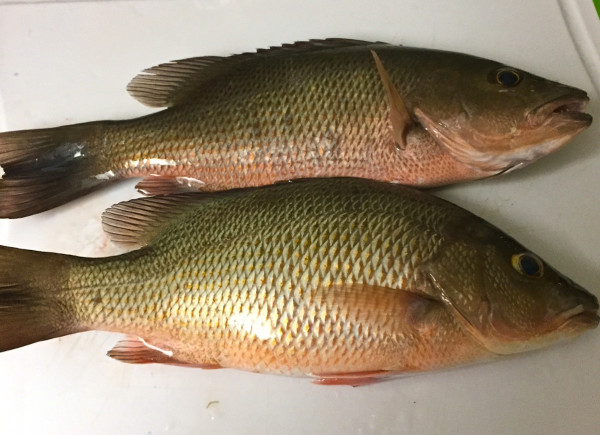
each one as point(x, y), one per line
point(42, 169)
point(33, 306)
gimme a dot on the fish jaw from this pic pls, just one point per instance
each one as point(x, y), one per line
point(582, 316)
point(500, 339)
point(567, 317)
point(554, 124)
point(565, 110)
point(544, 130)
point(564, 326)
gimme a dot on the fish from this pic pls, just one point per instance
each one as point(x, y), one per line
point(319, 108)
point(345, 281)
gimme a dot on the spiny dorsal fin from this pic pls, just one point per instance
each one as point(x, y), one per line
point(135, 223)
point(170, 83)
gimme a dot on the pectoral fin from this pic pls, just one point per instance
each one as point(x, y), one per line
point(372, 305)
point(399, 116)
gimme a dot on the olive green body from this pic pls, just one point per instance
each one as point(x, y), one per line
point(299, 279)
point(293, 115)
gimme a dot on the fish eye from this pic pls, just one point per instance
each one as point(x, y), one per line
point(507, 77)
point(528, 264)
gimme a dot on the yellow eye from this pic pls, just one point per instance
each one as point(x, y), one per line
point(507, 77)
point(528, 264)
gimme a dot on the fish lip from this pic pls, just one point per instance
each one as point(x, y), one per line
point(585, 320)
point(584, 315)
point(566, 109)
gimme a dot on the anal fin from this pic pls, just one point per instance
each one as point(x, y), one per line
point(136, 350)
point(159, 185)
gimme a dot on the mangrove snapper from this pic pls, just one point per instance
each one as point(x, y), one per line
point(322, 108)
point(344, 280)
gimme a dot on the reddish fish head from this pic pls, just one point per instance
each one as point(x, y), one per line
point(493, 117)
point(505, 296)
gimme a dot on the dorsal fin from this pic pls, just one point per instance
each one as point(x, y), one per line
point(135, 223)
point(168, 84)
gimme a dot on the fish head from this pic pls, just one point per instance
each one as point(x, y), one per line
point(495, 118)
point(508, 298)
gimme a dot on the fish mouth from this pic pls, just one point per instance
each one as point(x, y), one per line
point(543, 130)
point(563, 111)
point(583, 316)
point(581, 322)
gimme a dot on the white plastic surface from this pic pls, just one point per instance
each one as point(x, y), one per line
point(70, 62)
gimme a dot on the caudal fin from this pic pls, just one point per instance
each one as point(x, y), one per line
point(32, 303)
point(42, 169)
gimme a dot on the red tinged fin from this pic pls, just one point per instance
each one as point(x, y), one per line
point(31, 306)
point(45, 168)
point(356, 379)
point(136, 350)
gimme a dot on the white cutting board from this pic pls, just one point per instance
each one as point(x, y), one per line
point(66, 62)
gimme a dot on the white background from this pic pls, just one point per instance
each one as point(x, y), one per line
point(70, 62)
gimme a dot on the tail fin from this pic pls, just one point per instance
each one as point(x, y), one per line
point(42, 169)
point(31, 306)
